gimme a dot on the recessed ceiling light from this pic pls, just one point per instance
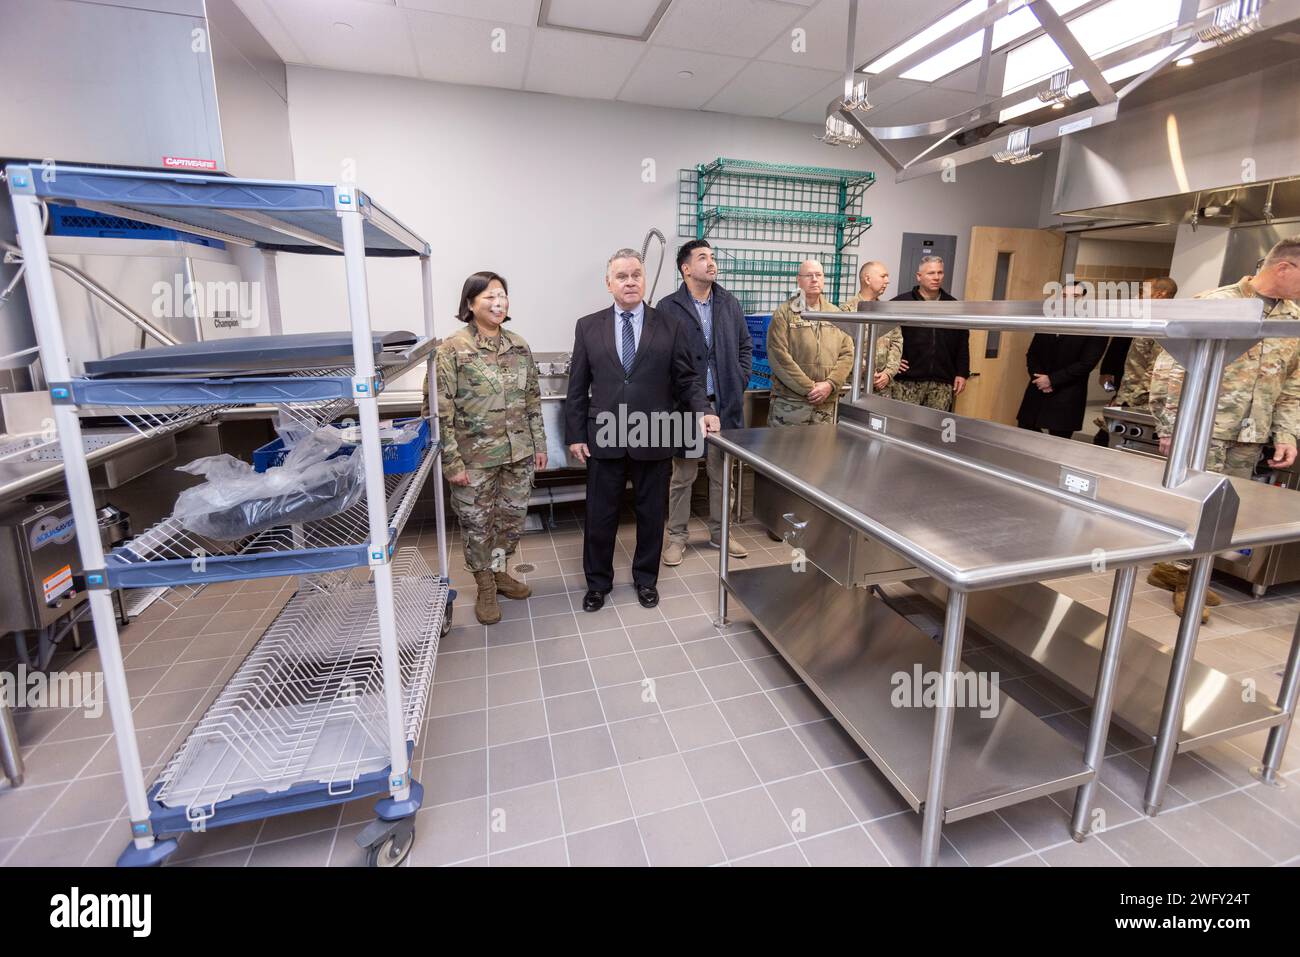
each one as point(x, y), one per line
point(341, 26)
point(1184, 61)
point(685, 74)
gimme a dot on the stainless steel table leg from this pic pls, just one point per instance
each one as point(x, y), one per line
point(932, 814)
point(1286, 700)
point(724, 541)
point(1171, 717)
point(1121, 597)
point(740, 490)
point(10, 756)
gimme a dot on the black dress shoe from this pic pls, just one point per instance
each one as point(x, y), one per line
point(647, 595)
point(593, 601)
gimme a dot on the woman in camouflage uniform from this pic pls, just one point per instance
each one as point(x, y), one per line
point(490, 419)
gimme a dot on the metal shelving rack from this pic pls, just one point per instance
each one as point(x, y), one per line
point(327, 706)
point(778, 203)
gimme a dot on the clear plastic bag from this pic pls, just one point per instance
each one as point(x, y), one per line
point(236, 502)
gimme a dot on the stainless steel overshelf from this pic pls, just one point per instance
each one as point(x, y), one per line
point(1230, 319)
point(848, 645)
point(1063, 638)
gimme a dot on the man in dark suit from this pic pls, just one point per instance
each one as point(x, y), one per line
point(632, 369)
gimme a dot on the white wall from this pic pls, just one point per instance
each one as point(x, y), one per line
point(1198, 259)
point(543, 188)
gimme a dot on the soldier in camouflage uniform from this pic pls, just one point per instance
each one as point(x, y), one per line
point(873, 280)
point(810, 359)
point(1135, 384)
point(1258, 398)
point(490, 419)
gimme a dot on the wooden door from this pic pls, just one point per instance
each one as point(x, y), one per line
point(1004, 264)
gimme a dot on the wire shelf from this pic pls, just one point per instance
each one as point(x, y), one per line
point(167, 554)
point(787, 171)
point(307, 704)
point(769, 208)
point(762, 279)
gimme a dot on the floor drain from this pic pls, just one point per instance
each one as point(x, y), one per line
point(524, 567)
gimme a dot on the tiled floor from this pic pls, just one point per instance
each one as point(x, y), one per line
point(539, 746)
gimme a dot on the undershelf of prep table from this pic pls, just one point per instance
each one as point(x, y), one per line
point(848, 645)
point(1063, 639)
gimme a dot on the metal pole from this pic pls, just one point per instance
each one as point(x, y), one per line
point(11, 756)
point(1121, 597)
point(873, 336)
point(932, 821)
point(439, 506)
point(1192, 431)
point(724, 541)
point(1188, 421)
point(858, 343)
point(54, 359)
point(354, 257)
point(1286, 700)
point(1209, 405)
point(1171, 717)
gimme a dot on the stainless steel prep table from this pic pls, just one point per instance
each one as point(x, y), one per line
point(976, 506)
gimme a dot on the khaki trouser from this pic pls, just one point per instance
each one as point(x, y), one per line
point(679, 494)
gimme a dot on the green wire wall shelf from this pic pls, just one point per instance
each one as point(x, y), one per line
point(791, 205)
point(762, 279)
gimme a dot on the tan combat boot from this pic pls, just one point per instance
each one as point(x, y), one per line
point(1180, 604)
point(512, 587)
point(486, 608)
point(1170, 577)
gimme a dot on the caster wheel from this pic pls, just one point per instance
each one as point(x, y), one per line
point(392, 850)
point(446, 621)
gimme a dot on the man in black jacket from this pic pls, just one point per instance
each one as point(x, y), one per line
point(938, 360)
point(1059, 370)
point(723, 353)
point(631, 372)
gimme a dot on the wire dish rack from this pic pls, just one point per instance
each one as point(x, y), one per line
point(307, 705)
point(168, 554)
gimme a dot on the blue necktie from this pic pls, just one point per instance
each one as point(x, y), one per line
point(629, 343)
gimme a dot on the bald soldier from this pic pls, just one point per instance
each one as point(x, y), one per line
point(873, 280)
point(1259, 394)
point(811, 359)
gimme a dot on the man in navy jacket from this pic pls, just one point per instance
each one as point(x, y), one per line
point(723, 351)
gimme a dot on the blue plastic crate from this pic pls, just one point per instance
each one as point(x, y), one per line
point(758, 332)
point(760, 375)
point(74, 221)
point(399, 457)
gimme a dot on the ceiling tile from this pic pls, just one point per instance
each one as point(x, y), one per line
point(628, 18)
point(737, 27)
point(578, 64)
point(459, 50)
point(273, 31)
point(376, 43)
point(813, 109)
point(655, 80)
point(520, 12)
point(768, 89)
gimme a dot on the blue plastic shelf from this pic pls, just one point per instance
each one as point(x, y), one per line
point(273, 214)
